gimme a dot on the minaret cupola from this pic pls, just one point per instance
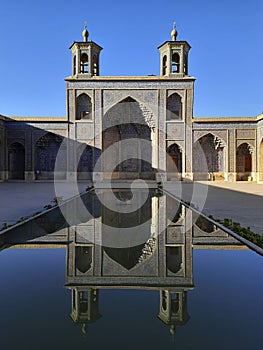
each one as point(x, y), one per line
point(174, 57)
point(85, 57)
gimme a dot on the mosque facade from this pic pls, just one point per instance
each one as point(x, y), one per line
point(130, 127)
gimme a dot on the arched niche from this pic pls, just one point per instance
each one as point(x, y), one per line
point(85, 162)
point(164, 65)
point(244, 162)
point(174, 258)
point(83, 258)
point(50, 155)
point(16, 161)
point(209, 158)
point(83, 107)
point(174, 162)
point(175, 62)
point(174, 107)
point(84, 63)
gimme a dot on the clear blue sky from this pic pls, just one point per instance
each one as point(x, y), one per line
point(226, 55)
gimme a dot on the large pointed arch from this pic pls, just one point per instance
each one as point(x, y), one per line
point(209, 158)
point(128, 120)
point(244, 162)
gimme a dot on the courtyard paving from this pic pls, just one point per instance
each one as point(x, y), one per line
point(242, 201)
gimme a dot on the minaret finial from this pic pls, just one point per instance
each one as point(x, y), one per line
point(85, 33)
point(174, 32)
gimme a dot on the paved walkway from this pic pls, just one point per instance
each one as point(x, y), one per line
point(242, 201)
point(20, 199)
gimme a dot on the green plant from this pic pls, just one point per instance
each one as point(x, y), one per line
point(5, 225)
point(244, 232)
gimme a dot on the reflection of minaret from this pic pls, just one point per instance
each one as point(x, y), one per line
point(173, 308)
point(85, 305)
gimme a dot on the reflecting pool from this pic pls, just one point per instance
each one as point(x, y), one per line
point(132, 270)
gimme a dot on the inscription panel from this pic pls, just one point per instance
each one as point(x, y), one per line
point(84, 131)
point(175, 131)
point(245, 134)
point(130, 84)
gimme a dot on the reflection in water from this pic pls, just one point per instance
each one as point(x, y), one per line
point(157, 257)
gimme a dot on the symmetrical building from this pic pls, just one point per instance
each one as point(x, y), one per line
point(131, 127)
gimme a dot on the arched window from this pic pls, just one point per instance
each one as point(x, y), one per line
point(164, 65)
point(174, 107)
point(174, 162)
point(74, 66)
point(95, 65)
point(175, 63)
point(174, 259)
point(84, 63)
point(84, 107)
point(83, 258)
point(185, 65)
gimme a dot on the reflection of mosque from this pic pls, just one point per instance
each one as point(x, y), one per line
point(154, 248)
point(158, 262)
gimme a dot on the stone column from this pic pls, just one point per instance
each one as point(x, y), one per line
point(29, 154)
point(188, 134)
point(77, 60)
point(231, 155)
point(154, 146)
point(253, 153)
point(183, 162)
point(181, 62)
point(161, 237)
point(188, 244)
point(2, 148)
point(162, 134)
point(98, 117)
point(71, 143)
point(97, 259)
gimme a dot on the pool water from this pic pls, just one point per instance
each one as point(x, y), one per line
point(182, 286)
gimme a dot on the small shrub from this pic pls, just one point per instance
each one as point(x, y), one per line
point(5, 225)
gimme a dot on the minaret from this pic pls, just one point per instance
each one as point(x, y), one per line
point(174, 57)
point(173, 308)
point(85, 57)
point(85, 304)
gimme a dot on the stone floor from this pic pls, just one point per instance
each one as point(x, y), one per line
point(20, 199)
point(242, 201)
